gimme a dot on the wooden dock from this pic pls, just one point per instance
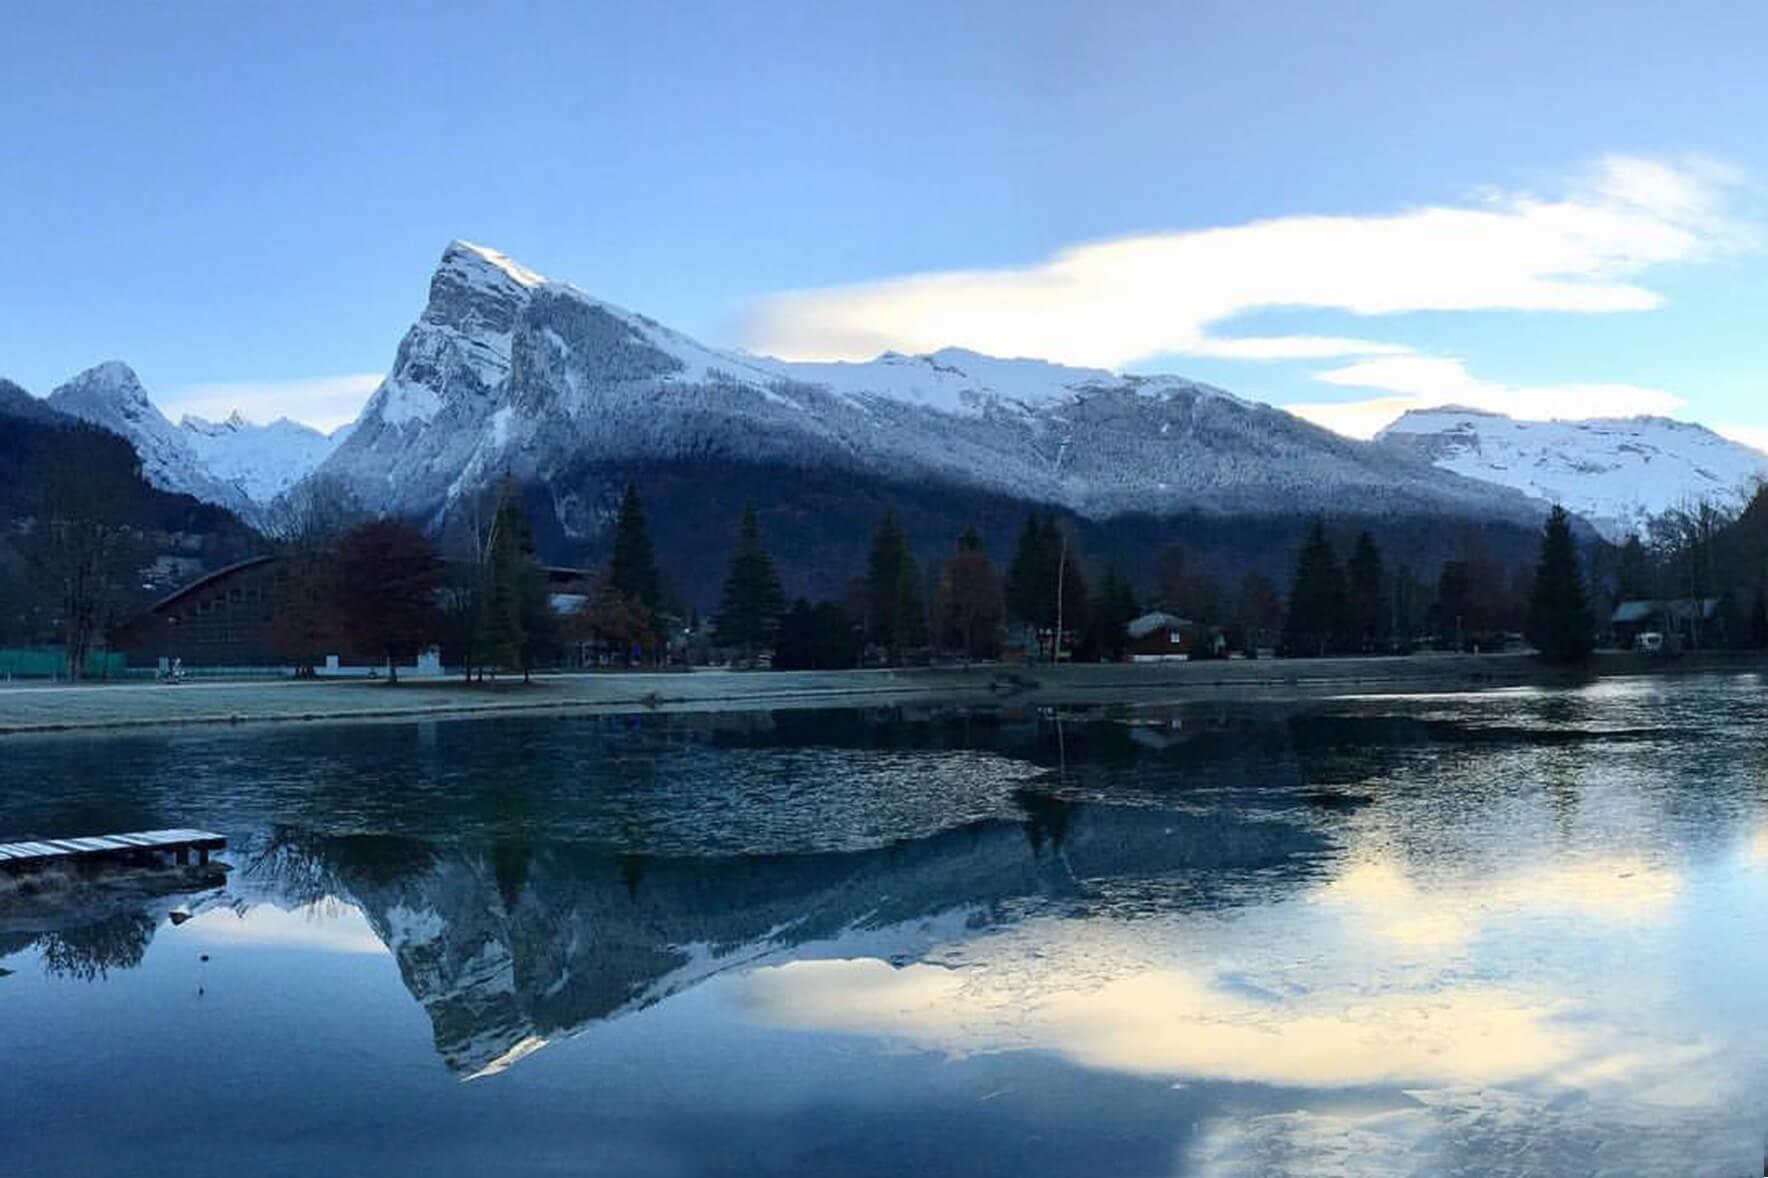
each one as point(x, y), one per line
point(145, 848)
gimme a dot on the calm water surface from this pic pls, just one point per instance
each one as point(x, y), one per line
point(1523, 932)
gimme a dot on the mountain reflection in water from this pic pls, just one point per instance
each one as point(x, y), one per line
point(1501, 934)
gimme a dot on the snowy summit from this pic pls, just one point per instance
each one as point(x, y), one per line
point(1615, 472)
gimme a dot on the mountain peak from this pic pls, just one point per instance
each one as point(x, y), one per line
point(113, 378)
point(108, 394)
point(469, 256)
point(1616, 472)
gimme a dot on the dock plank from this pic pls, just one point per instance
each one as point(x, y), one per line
point(20, 855)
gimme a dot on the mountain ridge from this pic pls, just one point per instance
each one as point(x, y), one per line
point(1616, 472)
point(508, 372)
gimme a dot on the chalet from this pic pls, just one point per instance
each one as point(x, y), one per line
point(1160, 637)
point(1684, 622)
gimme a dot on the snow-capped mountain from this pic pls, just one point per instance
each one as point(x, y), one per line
point(508, 372)
point(501, 970)
point(1615, 472)
point(261, 460)
point(234, 464)
point(110, 395)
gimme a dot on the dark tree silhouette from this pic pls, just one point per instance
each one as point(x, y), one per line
point(1112, 610)
point(896, 615)
point(632, 570)
point(514, 622)
point(307, 525)
point(750, 607)
point(815, 638)
point(1258, 612)
point(1560, 623)
point(85, 549)
point(1315, 624)
point(1367, 595)
point(1044, 583)
point(970, 603)
point(1634, 575)
point(385, 579)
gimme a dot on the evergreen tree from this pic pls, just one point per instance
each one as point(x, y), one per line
point(815, 638)
point(1031, 578)
point(1107, 632)
point(1044, 582)
point(1368, 595)
point(1560, 623)
point(749, 611)
point(970, 600)
point(632, 572)
point(896, 615)
point(1315, 624)
point(497, 633)
point(514, 622)
point(1759, 620)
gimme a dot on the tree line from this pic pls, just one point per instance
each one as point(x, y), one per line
point(381, 587)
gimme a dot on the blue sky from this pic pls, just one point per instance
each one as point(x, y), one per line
point(1546, 207)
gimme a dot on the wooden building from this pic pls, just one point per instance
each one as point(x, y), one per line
point(1161, 637)
point(224, 619)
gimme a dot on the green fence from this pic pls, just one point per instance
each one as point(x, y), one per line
point(50, 662)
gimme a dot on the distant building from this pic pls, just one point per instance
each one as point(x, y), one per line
point(1684, 622)
point(219, 620)
point(228, 618)
point(1160, 637)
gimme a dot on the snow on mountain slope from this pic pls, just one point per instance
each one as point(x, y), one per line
point(234, 463)
point(507, 372)
point(1615, 472)
point(110, 395)
point(261, 460)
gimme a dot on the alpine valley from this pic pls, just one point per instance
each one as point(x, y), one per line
point(507, 374)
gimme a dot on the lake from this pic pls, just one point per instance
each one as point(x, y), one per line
point(1517, 932)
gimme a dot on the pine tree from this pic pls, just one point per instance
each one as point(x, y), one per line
point(1561, 625)
point(1368, 597)
point(1044, 583)
point(1031, 582)
point(895, 614)
point(515, 621)
point(632, 572)
point(1107, 624)
point(750, 609)
point(497, 634)
point(1315, 624)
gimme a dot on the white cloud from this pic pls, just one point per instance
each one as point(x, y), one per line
point(1749, 435)
point(1293, 347)
point(1413, 381)
point(1113, 303)
point(324, 402)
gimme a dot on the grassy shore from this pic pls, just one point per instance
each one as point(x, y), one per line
point(61, 708)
